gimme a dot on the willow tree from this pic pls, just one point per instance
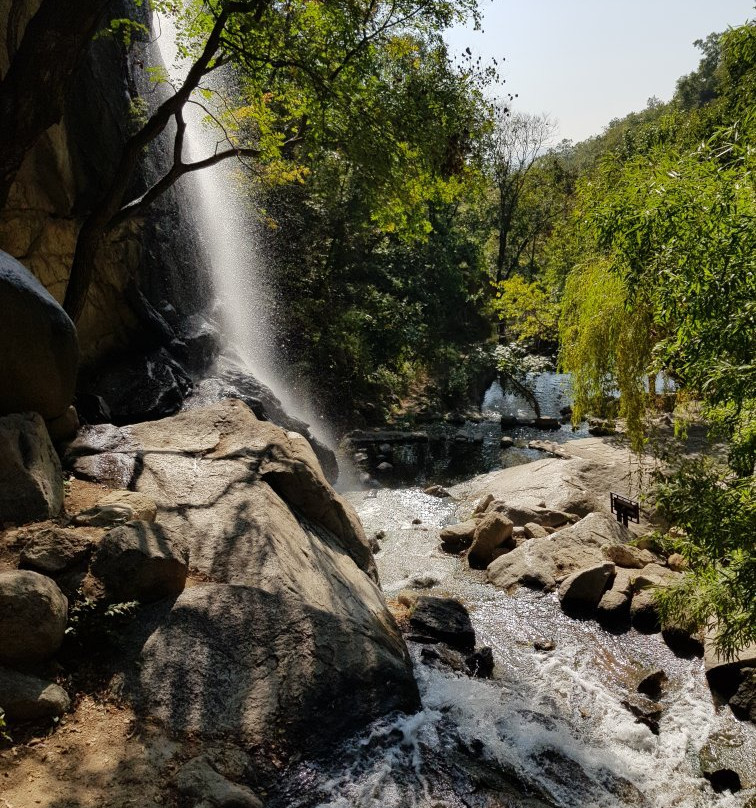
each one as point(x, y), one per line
point(293, 61)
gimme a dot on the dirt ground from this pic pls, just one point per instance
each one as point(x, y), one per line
point(96, 757)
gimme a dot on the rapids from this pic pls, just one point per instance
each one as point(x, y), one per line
point(548, 730)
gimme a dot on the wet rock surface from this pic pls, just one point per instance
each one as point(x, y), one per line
point(444, 619)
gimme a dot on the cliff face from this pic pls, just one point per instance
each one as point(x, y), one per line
point(64, 176)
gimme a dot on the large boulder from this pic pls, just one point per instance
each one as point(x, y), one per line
point(33, 614)
point(291, 626)
point(39, 352)
point(31, 479)
point(142, 387)
point(28, 698)
point(577, 482)
point(141, 561)
point(544, 562)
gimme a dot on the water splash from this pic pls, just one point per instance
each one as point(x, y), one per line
point(245, 306)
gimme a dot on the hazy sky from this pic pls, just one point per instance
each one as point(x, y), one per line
point(587, 61)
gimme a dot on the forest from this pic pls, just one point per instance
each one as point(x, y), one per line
point(365, 554)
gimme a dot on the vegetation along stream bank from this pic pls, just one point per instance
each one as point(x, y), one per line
point(362, 445)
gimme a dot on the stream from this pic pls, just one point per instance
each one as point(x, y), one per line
point(549, 729)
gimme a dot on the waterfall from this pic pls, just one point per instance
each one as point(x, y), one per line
point(245, 305)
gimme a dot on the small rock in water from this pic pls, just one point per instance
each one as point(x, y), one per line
point(417, 521)
point(481, 663)
point(423, 581)
point(652, 684)
point(724, 780)
point(506, 442)
point(384, 467)
point(743, 703)
point(446, 620)
point(645, 711)
point(544, 645)
point(437, 491)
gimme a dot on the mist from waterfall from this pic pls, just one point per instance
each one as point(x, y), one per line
point(245, 305)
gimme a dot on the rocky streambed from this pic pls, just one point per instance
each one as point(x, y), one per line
point(571, 715)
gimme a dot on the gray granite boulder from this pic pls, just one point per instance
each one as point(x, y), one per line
point(31, 479)
point(141, 561)
point(33, 615)
point(28, 698)
point(39, 351)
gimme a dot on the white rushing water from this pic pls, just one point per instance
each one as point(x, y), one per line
point(552, 723)
point(245, 305)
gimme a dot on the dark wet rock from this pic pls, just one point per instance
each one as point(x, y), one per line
point(198, 780)
point(92, 409)
point(685, 641)
point(445, 619)
point(31, 478)
point(143, 387)
point(481, 663)
point(506, 442)
point(199, 343)
point(53, 550)
point(39, 351)
point(644, 613)
point(723, 780)
point(457, 538)
point(384, 468)
point(743, 702)
point(544, 645)
point(492, 532)
point(33, 615)
point(725, 675)
point(28, 698)
point(583, 590)
point(141, 561)
point(645, 711)
point(547, 422)
point(653, 683)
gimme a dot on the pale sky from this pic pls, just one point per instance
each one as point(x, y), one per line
point(585, 62)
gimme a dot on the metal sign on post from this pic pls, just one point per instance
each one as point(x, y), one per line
point(626, 510)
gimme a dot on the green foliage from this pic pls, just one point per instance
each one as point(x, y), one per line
point(604, 344)
point(95, 625)
point(529, 312)
point(715, 514)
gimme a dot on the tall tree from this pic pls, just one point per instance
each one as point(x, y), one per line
point(510, 153)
